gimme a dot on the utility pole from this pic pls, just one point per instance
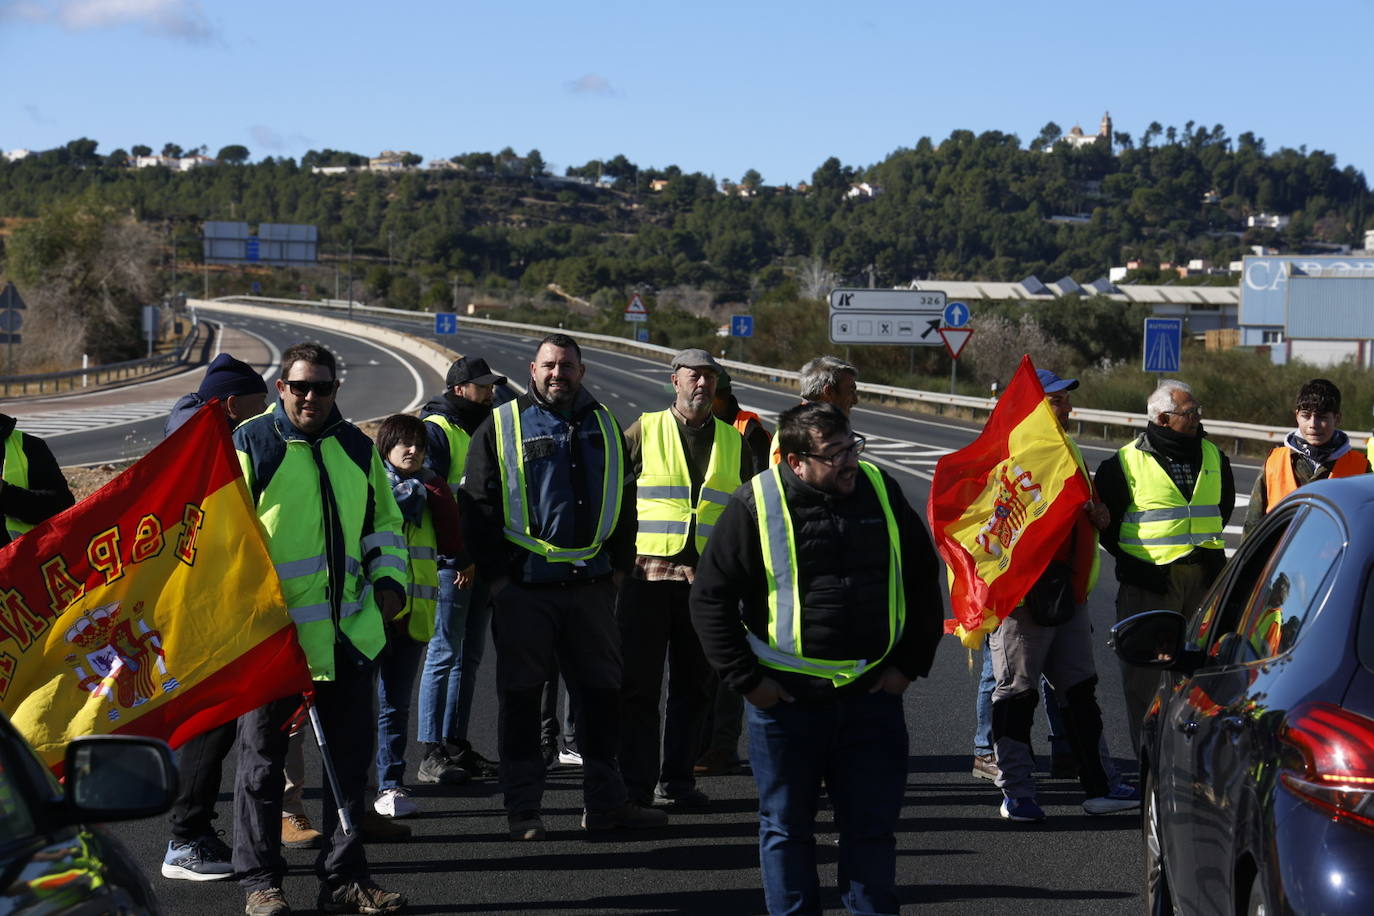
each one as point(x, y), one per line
point(455, 294)
point(350, 279)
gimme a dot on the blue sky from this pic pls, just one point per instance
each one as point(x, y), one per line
point(714, 87)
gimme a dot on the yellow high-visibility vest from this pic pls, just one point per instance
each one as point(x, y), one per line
point(16, 473)
point(458, 444)
point(664, 488)
point(1160, 526)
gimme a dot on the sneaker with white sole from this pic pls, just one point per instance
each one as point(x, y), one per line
point(395, 803)
point(1022, 810)
point(1121, 798)
point(569, 757)
point(205, 859)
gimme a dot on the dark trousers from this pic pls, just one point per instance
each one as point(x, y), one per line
point(574, 628)
point(857, 747)
point(347, 716)
point(201, 766)
point(655, 623)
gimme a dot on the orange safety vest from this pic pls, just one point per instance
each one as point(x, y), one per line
point(1278, 473)
point(742, 420)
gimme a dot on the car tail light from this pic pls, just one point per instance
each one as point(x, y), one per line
point(1333, 768)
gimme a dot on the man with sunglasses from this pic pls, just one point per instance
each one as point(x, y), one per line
point(333, 531)
point(818, 599)
point(1169, 494)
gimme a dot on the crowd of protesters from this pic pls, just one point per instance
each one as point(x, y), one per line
point(787, 586)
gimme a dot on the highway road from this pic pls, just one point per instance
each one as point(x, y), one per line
point(955, 854)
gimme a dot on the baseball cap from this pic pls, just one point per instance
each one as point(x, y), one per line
point(695, 358)
point(472, 370)
point(722, 382)
point(1052, 383)
point(226, 376)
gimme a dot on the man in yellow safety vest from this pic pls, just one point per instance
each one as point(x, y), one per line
point(687, 463)
point(32, 488)
point(818, 599)
point(1169, 494)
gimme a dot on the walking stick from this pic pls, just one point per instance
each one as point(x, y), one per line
point(328, 763)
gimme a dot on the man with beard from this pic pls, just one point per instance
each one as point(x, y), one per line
point(687, 463)
point(463, 613)
point(1169, 494)
point(553, 532)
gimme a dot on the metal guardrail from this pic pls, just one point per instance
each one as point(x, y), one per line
point(72, 379)
point(975, 408)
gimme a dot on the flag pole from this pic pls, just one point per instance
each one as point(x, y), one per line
point(328, 763)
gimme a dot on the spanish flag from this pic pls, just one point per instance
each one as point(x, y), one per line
point(150, 608)
point(1001, 507)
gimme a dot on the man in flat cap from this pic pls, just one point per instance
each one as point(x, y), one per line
point(448, 680)
point(687, 463)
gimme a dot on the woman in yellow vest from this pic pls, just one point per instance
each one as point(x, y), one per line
point(1315, 450)
point(431, 528)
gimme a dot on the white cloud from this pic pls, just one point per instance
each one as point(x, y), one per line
point(591, 84)
point(184, 19)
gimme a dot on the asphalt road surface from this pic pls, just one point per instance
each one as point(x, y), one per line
point(955, 854)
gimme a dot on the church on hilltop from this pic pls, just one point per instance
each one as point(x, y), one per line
point(1077, 138)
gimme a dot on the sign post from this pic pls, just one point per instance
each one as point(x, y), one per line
point(954, 340)
point(636, 311)
point(11, 304)
point(1163, 347)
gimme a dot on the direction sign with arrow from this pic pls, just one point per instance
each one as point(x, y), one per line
point(903, 317)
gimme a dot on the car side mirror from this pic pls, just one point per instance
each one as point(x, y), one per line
point(1154, 639)
point(118, 778)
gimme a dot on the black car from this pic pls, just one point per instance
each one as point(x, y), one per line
point(54, 859)
point(1257, 754)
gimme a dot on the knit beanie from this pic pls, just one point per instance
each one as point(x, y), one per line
point(228, 376)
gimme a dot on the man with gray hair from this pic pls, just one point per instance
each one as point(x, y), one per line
point(1169, 493)
point(830, 379)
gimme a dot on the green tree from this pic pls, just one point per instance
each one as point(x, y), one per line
point(233, 155)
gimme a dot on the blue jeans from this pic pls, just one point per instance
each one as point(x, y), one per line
point(396, 669)
point(449, 679)
point(982, 733)
point(857, 747)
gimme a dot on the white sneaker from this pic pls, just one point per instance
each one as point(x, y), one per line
point(569, 757)
point(1120, 798)
point(395, 803)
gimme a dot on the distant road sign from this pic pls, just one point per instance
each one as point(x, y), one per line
point(1163, 344)
point(445, 323)
point(10, 298)
point(636, 311)
point(742, 326)
point(886, 316)
point(955, 339)
point(11, 321)
point(642, 335)
point(955, 315)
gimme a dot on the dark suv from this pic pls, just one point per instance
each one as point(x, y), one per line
point(53, 859)
point(1257, 755)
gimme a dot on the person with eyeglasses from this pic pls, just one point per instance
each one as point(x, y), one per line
point(1169, 493)
point(334, 532)
point(818, 599)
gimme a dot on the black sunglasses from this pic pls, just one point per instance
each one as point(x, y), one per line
point(321, 389)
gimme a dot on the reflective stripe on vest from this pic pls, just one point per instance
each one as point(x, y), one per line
point(458, 443)
point(16, 474)
point(783, 650)
point(422, 571)
point(510, 454)
point(1278, 473)
point(1159, 526)
point(663, 501)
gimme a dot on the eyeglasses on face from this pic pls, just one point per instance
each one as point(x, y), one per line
point(320, 389)
point(1192, 413)
point(853, 450)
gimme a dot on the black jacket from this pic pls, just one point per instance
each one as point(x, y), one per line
point(842, 552)
point(47, 493)
point(483, 514)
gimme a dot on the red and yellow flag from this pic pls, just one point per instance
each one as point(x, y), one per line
point(150, 608)
point(1001, 507)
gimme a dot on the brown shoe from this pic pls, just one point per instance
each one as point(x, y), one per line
point(379, 829)
point(985, 766)
point(296, 832)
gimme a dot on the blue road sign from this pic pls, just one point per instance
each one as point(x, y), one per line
point(445, 323)
point(257, 287)
point(642, 334)
point(250, 249)
point(956, 315)
point(1163, 344)
point(742, 326)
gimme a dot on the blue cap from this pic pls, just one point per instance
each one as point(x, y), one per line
point(228, 376)
point(1052, 383)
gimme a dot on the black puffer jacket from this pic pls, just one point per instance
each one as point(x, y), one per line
point(842, 553)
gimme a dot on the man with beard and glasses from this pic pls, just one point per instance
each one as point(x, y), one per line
point(687, 463)
point(553, 532)
point(1169, 494)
